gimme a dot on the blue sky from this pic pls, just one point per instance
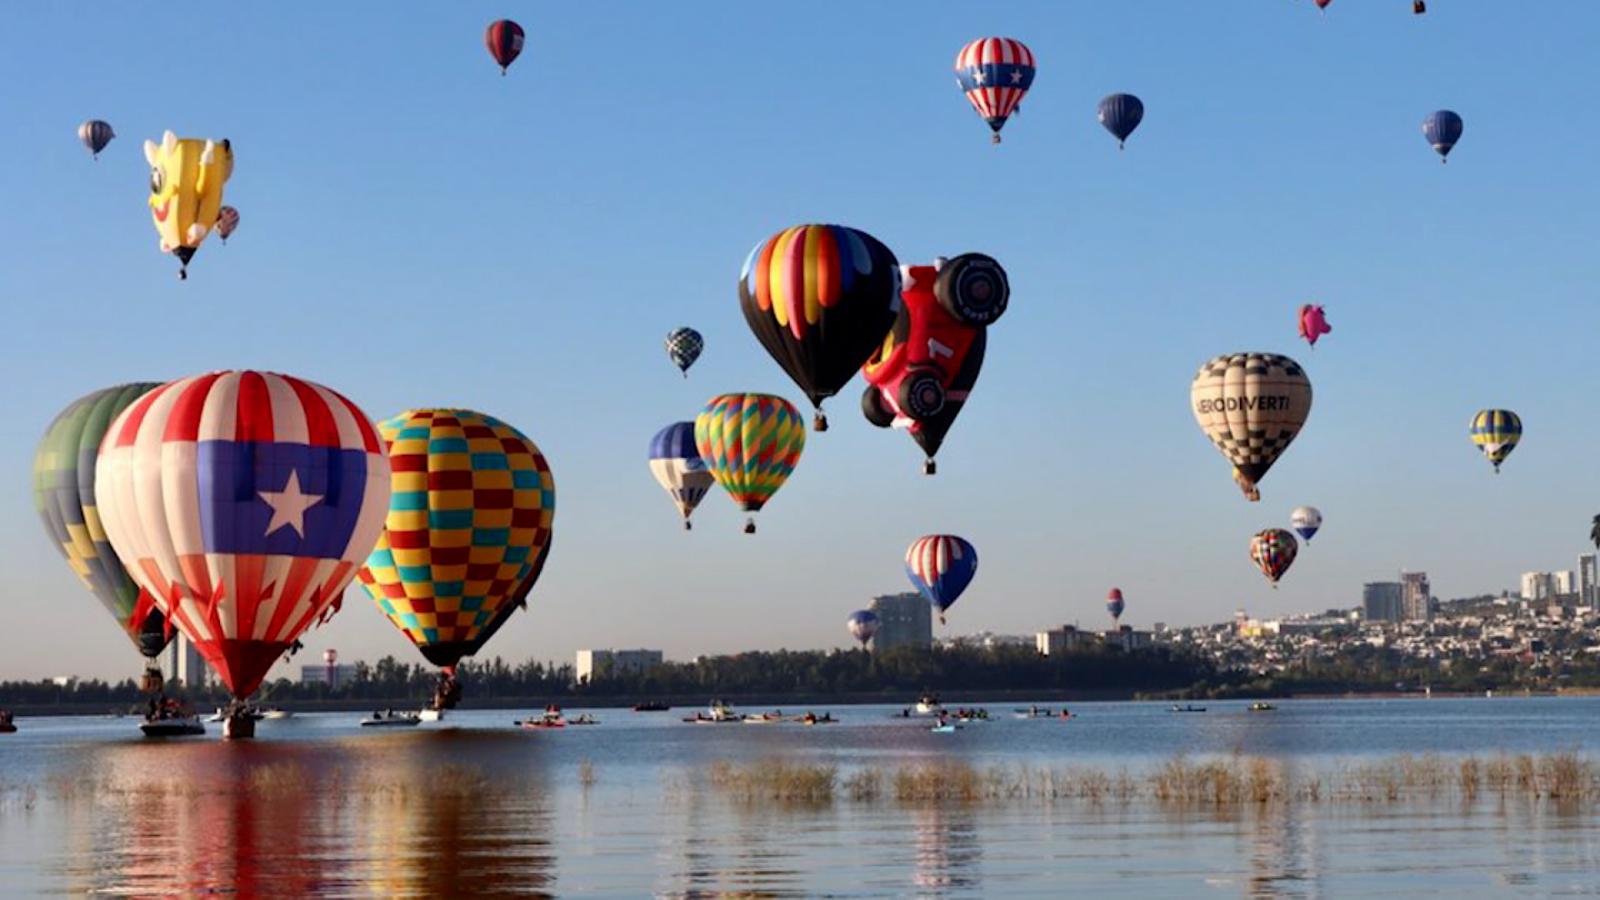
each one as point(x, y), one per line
point(418, 230)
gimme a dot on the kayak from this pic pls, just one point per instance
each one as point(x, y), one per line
point(7, 728)
point(540, 723)
point(162, 728)
point(944, 729)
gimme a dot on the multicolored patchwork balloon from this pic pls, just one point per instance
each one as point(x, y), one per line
point(750, 443)
point(820, 299)
point(995, 73)
point(469, 519)
point(940, 567)
point(683, 348)
point(676, 464)
point(1496, 432)
point(243, 502)
point(64, 493)
point(1251, 406)
point(1273, 551)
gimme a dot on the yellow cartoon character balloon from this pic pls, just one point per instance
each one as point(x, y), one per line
point(186, 179)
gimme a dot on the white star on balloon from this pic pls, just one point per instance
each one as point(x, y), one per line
point(289, 505)
point(1016, 76)
point(977, 76)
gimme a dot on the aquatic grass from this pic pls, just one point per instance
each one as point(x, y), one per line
point(1180, 782)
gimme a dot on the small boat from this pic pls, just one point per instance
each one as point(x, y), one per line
point(431, 715)
point(719, 713)
point(764, 718)
point(944, 728)
point(543, 722)
point(651, 706)
point(391, 720)
point(1034, 712)
point(276, 714)
point(928, 705)
point(972, 715)
point(584, 719)
point(7, 724)
point(1187, 708)
point(1262, 707)
point(814, 719)
point(178, 726)
point(221, 715)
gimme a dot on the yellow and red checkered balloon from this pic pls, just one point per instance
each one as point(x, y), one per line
point(469, 517)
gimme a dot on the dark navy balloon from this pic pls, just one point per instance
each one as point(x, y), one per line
point(1442, 129)
point(1121, 114)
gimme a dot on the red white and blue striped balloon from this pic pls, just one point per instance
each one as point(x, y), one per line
point(243, 502)
point(940, 567)
point(995, 73)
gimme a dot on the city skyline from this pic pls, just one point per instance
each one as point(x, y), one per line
point(548, 244)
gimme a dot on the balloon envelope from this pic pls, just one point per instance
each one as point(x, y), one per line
point(243, 502)
point(227, 221)
point(820, 298)
point(1273, 551)
point(683, 347)
point(1442, 129)
point(1251, 406)
point(504, 39)
point(95, 135)
point(472, 509)
point(187, 177)
point(64, 492)
point(1496, 432)
point(863, 624)
point(1115, 604)
point(1305, 520)
point(940, 567)
point(995, 73)
point(750, 443)
point(1120, 114)
point(1313, 323)
point(676, 464)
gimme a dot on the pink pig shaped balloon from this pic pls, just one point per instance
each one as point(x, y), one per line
point(1313, 324)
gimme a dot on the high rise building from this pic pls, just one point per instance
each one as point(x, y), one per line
point(333, 675)
point(903, 619)
point(1587, 587)
point(1382, 601)
point(1537, 586)
point(591, 662)
point(1565, 583)
point(1416, 601)
point(184, 664)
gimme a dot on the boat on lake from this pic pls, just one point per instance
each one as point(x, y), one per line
point(1188, 708)
point(814, 719)
point(928, 705)
point(718, 713)
point(944, 727)
point(584, 719)
point(276, 714)
point(7, 724)
point(172, 726)
point(1258, 706)
point(391, 719)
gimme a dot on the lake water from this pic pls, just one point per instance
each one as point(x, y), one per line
point(316, 805)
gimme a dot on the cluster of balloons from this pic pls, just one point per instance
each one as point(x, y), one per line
point(236, 506)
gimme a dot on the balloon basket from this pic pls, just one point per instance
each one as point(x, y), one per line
point(152, 682)
point(749, 526)
point(994, 138)
point(819, 422)
point(688, 525)
point(239, 725)
point(929, 467)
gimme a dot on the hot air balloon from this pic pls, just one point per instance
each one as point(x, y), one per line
point(227, 221)
point(186, 181)
point(243, 503)
point(920, 376)
point(1418, 7)
point(1594, 532)
point(1442, 128)
point(1115, 604)
point(1251, 405)
point(995, 73)
point(1496, 432)
point(940, 567)
point(1323, 4)
point(471, 513)
point(1273, 552)
point(504, 40)
point(863, 624)
point(95, 135)
point(677, 467)
point(1313, 323)
point(683, 348)
point(64, 492)
point(820, 298)
point(1121, 114)
point(1305, 520)
point(750, 443)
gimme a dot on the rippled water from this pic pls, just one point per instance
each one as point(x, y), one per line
point(468, 807)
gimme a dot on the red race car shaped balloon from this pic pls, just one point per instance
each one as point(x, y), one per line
point(920, 377)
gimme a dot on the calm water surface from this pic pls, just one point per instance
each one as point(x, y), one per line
point(318, 806)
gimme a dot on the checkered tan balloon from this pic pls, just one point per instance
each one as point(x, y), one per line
point(1251, 406)
point(470, 512)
